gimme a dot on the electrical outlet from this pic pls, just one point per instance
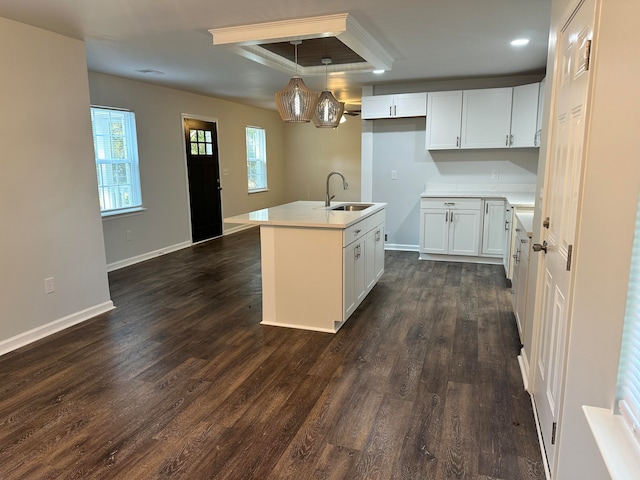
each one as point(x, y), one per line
point(128, 235)
point(49, 286)
point(495, 175)
point(394, 174)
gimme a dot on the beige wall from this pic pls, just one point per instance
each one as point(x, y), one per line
point(312, 153)
point(48, 202)
point(165, 223)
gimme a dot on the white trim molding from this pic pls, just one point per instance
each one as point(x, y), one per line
point(245, 40)
point(50, 328)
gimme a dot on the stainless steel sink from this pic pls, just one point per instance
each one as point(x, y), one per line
point(352, 207)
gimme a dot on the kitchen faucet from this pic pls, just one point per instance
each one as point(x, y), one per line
point(345, 185)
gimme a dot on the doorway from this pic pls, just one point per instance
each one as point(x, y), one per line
point(203, 172)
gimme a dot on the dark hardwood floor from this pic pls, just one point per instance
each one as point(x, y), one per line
point(181, 381)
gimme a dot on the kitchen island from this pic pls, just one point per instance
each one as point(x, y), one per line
point(318, 263)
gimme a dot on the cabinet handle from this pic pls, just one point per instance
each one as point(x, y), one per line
point(390, 114)
point(506, 143)
point(395, 110)
point(457, 141)
point(506, 225)
point(449, 203)
point(486, 209)
point(356, 232)
point(446, 217)
point(510, 140)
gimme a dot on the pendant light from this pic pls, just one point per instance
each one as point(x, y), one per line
point(296, 102)
point(328, 111)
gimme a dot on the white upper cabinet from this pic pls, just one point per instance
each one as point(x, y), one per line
point(486, 118)
point(394, 106)
point(444, 112)
point(524, 115)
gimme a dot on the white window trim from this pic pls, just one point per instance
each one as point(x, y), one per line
point(264, 188)
point(139, 208)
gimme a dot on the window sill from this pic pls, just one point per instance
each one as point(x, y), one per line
point(620, 451)
point(122, 213)
point(262, 190)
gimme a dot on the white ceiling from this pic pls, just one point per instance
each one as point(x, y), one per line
point(427, 39)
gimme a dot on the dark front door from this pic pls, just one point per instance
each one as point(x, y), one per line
point(204, 179)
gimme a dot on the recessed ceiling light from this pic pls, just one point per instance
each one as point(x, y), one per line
point(378, 72)
point(519, 42)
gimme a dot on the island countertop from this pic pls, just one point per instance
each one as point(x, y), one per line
point(306, 213)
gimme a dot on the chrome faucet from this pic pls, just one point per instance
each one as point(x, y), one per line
point(345, 185)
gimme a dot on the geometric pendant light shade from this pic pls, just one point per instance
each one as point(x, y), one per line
point(295, 102)
point(328, 111)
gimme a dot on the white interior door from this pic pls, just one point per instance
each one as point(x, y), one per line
point(562, 187)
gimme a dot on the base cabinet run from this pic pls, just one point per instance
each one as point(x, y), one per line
point(315, 278)
point(468, 227)
point(363, 261)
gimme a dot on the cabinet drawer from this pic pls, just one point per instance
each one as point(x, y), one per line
point(451, 203)
point(354, 232)
point(375, 220)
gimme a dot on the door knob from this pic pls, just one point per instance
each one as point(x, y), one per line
point(537, 247)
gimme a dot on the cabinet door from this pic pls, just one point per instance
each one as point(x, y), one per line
point(370, 259)
point(377, 106)
point(524, 115)
point(486, 118)
point(444, 117)
point(410, 105)
point(374, 256)
point(378, 263)
point(493, 236)
point(464, 232)
point(434, 230)
point(521, 284)
point(349, 291)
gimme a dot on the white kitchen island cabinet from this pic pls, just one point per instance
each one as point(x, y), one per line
point(318, 264)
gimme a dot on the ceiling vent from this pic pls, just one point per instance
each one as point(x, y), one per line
point(339, 36)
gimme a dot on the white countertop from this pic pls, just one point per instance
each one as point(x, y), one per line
point(305, 214)
point(515, 199)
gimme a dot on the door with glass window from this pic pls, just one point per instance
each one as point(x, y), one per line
point(203, 171)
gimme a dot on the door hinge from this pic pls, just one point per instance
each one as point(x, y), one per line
point(553, 433)
point(546, 223)
point(569, 255)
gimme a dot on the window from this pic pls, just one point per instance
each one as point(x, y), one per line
point(116, 153)
point(256, 159)
point(629, 372)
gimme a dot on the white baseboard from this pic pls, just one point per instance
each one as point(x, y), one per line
point(42, 331)
point(401, 247)
point(147, 256)
point(238, 228)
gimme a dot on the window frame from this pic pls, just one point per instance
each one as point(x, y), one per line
point(261, 160)
point(129, 143)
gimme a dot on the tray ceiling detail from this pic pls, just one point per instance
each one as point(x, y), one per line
point(339, 36)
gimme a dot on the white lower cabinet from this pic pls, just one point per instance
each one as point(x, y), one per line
point(450, 226)
point(519, 281)
point(493, 229)
point(363, 260)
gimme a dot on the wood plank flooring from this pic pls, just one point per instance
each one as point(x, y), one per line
point(181, 381)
